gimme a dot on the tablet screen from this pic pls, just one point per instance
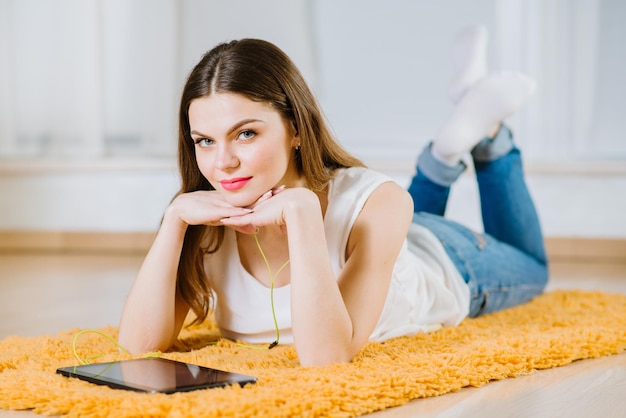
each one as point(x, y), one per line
point(155, 375)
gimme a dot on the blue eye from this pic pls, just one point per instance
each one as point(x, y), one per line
point(203, 142)
point(247, 134)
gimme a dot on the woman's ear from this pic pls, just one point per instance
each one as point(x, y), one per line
point(295, 142)
point(295, 139)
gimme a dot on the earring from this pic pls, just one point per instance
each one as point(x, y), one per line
point(298, 147)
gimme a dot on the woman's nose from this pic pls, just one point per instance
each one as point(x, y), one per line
point(226, 158)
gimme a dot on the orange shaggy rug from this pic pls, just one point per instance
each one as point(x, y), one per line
point(552, 330)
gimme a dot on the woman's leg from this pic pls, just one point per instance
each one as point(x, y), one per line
point(477, 114)
point(508, 212)
point(506, 265)
point(498, 275)
point(481, 103)
point(511, 267)
point(430, 187)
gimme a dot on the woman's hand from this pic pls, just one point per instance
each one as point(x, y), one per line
point(203, 207)
point(208, 207)
point(269, 209)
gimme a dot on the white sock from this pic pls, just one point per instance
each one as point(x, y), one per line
point(469, 60)
point(481, 109)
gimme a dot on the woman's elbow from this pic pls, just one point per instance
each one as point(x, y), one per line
point(327, 356)
point(136, 344)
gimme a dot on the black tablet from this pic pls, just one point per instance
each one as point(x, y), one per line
point(155, 375)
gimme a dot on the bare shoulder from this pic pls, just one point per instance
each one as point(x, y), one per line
point(389, 200)
point(385, 218)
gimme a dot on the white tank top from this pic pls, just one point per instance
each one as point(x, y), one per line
point(426, 290)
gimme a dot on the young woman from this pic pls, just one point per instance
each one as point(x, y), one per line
point(288, 237)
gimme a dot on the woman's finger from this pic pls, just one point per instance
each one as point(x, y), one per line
point(278, 189)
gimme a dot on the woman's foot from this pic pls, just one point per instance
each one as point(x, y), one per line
point(469, 60)
point(479, 113)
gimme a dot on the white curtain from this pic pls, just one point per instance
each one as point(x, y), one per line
point(87, 78)
point(574, 49)
point(102, 78)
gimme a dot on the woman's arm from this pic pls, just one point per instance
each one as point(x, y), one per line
point(332, 317)
point(154, 312)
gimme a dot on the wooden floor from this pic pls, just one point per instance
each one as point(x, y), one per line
point(47, 293)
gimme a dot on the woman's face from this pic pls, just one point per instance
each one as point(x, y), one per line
point(243, 148)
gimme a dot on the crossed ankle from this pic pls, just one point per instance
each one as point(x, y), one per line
point(492, 148)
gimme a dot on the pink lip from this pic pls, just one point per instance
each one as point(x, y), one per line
point(235, 183)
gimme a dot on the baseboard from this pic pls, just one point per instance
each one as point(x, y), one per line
point(560, 249)
point(585, 250)
point(76, 242)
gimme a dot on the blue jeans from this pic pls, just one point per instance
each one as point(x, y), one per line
point(506, 265)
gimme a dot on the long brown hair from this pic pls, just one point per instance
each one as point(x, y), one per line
point(261, 72)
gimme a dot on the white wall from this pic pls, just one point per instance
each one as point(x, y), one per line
point(384, 70)
point(118, 197)
point(132, 199)
point(380, 70)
